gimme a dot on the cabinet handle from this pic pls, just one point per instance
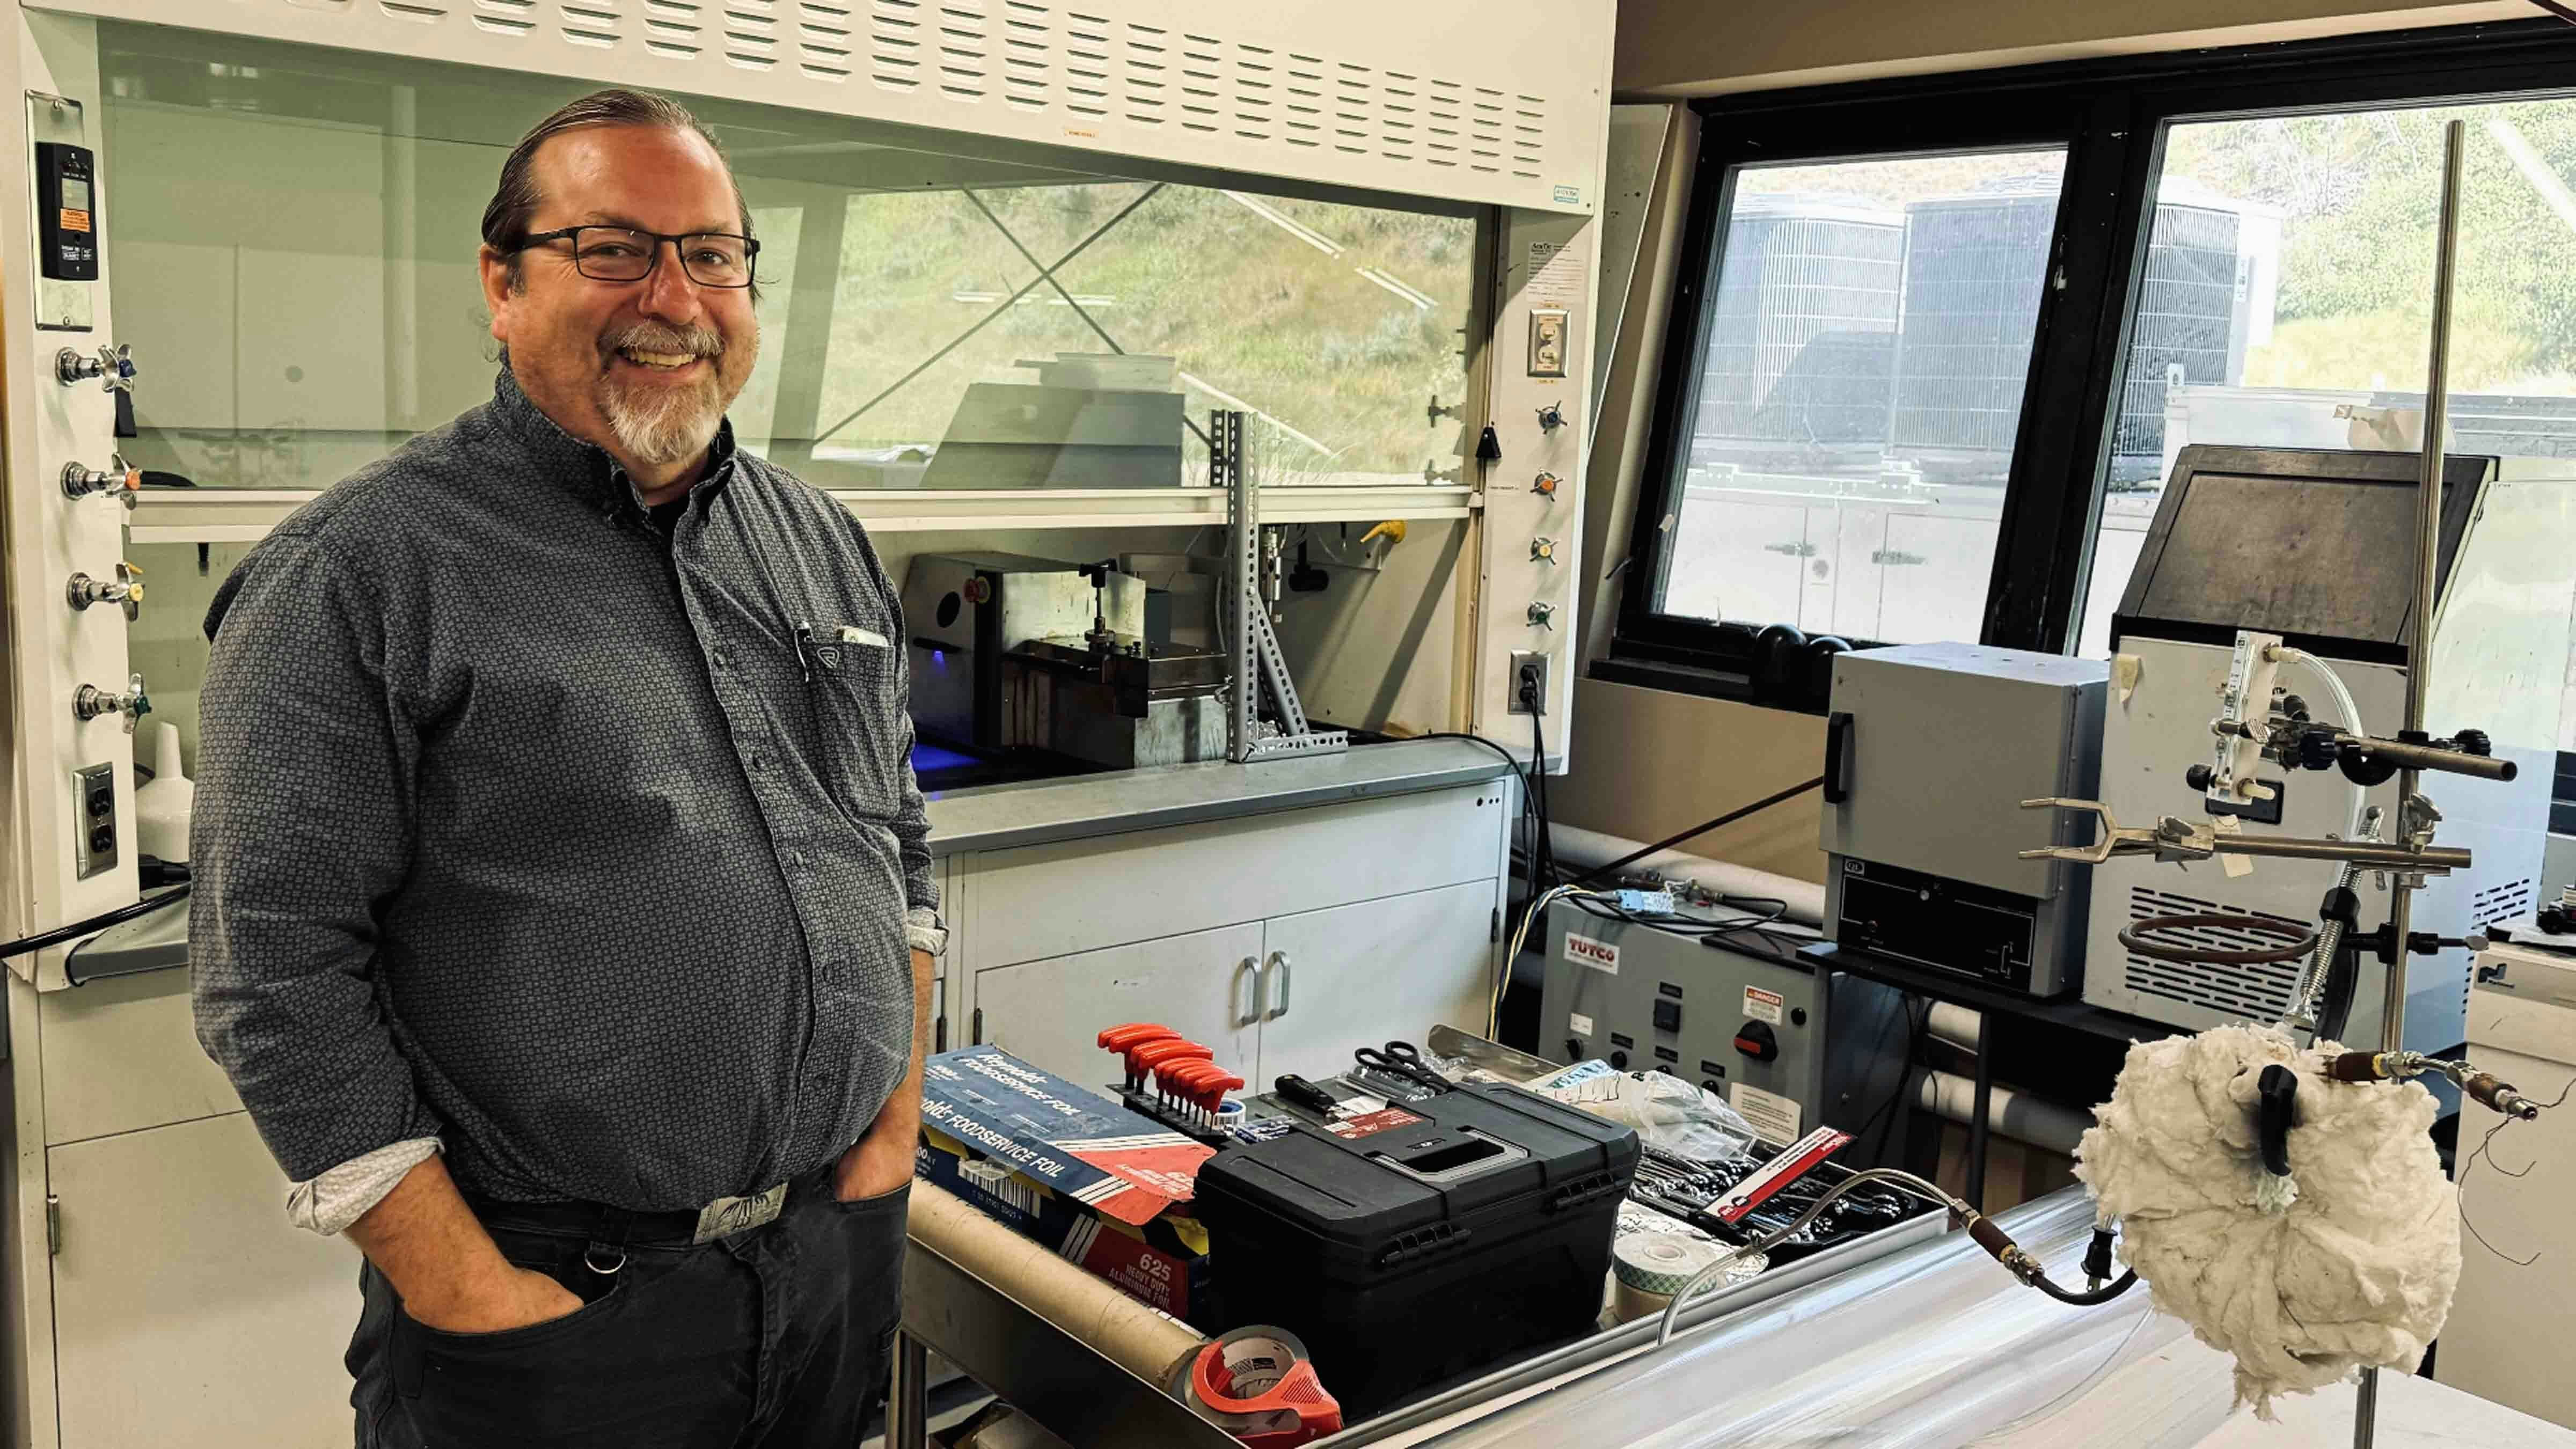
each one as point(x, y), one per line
point(1279, 963)
point(1260, 989)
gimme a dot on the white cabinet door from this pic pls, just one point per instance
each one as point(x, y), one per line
point(187, 1310)
point(1050, 1013)
point(1363, 974)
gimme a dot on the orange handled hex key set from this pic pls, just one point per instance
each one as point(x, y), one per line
point(1170, 1076)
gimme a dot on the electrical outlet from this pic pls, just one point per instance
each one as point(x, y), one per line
point(1528, 667)
point(93, 820)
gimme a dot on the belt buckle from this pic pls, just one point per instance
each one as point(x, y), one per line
point(727, 1216)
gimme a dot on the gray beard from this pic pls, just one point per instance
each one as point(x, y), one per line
point(674, 430)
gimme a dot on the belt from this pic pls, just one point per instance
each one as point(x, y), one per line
point(611, 1230)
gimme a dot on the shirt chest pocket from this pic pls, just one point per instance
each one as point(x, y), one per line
point(862, 724)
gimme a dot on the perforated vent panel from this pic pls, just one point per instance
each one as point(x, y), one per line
point(2494, 906)
point(2503, 902)
point(1329, 90)
point(2259, 993)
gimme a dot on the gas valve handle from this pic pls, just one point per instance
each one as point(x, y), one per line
point(119, 478)
point(127, 591)
point(134, 704)
point(112, 366)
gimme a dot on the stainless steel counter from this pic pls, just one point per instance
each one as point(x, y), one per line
point(998, 817)
point(1092, 1403)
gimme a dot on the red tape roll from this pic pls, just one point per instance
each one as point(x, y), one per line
point(1258, 1385)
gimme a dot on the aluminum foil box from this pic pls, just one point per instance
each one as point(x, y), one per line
point(1100, 1185)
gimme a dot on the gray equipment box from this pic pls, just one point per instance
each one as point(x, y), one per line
point(1929, 751)
point(1788, 1048)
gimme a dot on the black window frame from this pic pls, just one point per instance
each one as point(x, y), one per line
point(2111, 118)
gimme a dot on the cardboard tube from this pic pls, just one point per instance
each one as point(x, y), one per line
point(1138, 1339)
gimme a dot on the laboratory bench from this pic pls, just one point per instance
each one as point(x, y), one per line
point(1271, 910)
point(1911, 1336)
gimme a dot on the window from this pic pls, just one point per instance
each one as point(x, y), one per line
point(2287, 301)
point(1934, 392)
point(920, 291)
point(1869, 333)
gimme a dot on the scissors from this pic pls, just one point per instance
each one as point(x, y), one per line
point(1401, 1059)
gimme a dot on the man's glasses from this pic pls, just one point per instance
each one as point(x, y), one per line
point(623, 254)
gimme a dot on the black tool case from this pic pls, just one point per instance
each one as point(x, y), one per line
point(1420, 1244)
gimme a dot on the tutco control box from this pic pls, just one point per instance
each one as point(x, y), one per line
point(1930, 751)
point(1740, 1014)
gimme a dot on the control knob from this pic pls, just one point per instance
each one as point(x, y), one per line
point(112, 366)
point(126, 591)
point(134, 704)
point(119, 477)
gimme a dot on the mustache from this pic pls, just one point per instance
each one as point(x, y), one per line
point(662, 337)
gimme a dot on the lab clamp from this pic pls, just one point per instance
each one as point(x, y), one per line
point(2259, 720)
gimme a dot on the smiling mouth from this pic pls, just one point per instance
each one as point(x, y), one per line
point(657, 361)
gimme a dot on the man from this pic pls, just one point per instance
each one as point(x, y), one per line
point(563, 909)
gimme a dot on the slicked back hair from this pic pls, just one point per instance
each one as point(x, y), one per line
point(516, 199)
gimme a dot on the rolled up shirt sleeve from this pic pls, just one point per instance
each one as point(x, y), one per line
point(303, 827)
point(330, 1203)
point(911, 824)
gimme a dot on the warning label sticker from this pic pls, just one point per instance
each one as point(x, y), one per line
point(1782, 1170)
point(1369, 1124)
point(1774, 1116)
point(1761, 1005)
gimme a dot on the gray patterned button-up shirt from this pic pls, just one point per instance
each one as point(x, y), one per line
point(588, 852)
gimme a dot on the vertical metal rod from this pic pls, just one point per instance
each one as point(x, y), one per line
point(1243, 565)
point(2419, 654)
point(908, 1395)
point(1979, 1109)
point(2437, 416)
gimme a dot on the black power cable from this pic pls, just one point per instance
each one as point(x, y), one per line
point(100, 922)
point(1532, 803)
point(1669, 841)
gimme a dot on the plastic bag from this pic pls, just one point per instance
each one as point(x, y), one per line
point(1667, 1111)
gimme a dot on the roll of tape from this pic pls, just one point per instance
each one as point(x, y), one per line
point(1661, 1262)
point(1664, 1263)
point(1259, 1385)
point(1627, 1304)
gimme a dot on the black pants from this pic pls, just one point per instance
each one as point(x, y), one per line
point(775, 1338)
